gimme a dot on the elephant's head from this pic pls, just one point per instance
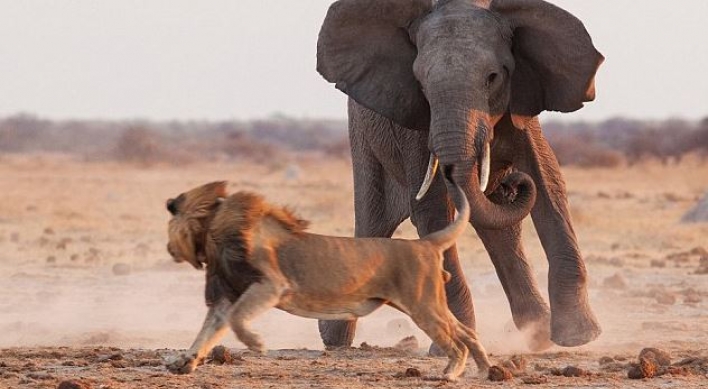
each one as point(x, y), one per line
point(455, 68)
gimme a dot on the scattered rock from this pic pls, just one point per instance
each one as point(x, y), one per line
point(110, 357)
point(617, 281)
point(673, 197)
point(657, 263)
point(120, 364)
point(121, 269)
point(40, 376)
point(665, 298)
point(220, 355)
point(74, 257)
point(700, 251)
point(614, 261)
point(51, 259)
point(412, 372)
point(678, 371)
point(498, 374)
point(660, 357)
point(15, 237)
point(73, 384)
point(49, 231)
point(63, 243)
point(702, 265)
point(535, 380)
point(516, 364)
point(606, 360)
point(692, 298)
point(646, 368)
point(409, 343)
point(573, 371)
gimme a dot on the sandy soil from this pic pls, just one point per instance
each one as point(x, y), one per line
point(88, 292)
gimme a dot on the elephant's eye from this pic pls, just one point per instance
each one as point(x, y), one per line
point(491, 78)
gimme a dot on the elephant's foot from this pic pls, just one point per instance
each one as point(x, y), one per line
point(574, 327)
point(572, 320)
point(337, 333)
point(538, 334)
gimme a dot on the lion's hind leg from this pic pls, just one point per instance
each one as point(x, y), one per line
point(256, 300)
point(479, 354)
point(439, 328)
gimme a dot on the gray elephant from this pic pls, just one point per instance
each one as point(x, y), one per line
point(462, 82)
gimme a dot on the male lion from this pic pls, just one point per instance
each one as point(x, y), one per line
point(258, 256)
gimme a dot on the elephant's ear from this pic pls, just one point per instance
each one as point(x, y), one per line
point(365, 49)
point(556, 61)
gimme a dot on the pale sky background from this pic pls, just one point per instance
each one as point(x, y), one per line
point(237, 59)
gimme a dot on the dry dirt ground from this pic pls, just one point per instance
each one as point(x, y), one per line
point(88, 293)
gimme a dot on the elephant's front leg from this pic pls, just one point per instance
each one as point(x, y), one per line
point(572, 320)
point(529, 311)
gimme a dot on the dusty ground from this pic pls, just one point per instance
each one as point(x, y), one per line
point(88, 292)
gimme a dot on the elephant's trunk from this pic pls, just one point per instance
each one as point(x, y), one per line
point(461, 138)
point(489, 215)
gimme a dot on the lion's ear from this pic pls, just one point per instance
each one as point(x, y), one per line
point(219, 188)
point(200, 201)
point(172, 206)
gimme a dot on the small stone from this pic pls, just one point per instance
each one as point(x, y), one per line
point(498, 374)
point(121, 269)
point(49, 231)
point(666, 298)
point(617, 281)
point(606, 360)
point(692, 298)
point(516, 364)
point(573, 371)
point(699, 251)
point(220, 355)
point(535, 380)
point(73, 384)
point(412, 372)
point(645, 369)
point(660, 357)
point(658, 263)
point(51, 259)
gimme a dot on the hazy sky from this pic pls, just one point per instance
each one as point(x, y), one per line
point(237, 59)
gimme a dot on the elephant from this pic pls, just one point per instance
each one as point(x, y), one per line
point(460, 84)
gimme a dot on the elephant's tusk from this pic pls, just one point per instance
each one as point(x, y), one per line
point(485, 167)
point(429, 176)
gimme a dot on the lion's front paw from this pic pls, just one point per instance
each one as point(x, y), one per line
point(184, 363)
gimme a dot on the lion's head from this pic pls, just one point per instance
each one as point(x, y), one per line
point(187, 229)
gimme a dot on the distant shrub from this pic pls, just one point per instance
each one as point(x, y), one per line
point(139, 145)
point(576, 151)
point(241, 145)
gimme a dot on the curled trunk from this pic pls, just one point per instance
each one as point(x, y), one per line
point(487, 214)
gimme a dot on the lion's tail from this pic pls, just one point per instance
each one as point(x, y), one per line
point(447, 237)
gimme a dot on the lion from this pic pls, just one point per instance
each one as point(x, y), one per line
point(258, 256)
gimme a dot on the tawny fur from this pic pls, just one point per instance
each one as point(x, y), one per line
point(258, 256)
